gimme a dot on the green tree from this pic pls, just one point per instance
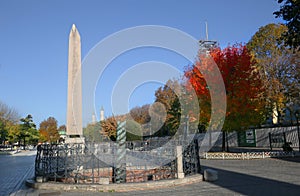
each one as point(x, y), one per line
point(92, 133)
point(289, 12)
point(134, 131)
point(278, 67)
point(28, 130)
point(3, 132)
point(13, 133)
point(8, 117)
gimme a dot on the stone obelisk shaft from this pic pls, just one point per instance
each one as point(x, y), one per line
point(74, 104)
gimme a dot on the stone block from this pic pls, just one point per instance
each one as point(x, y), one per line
point(180, 175)
point(104, 180)
point(210, 175)
point(40, 179)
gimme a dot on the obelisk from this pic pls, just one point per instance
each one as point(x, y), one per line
point(74, 104)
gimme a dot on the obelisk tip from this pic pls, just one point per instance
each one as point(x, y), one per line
point(73, 27)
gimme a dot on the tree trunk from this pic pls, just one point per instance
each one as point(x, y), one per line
point(227, 146)
point(24, 143)
point(223, 140)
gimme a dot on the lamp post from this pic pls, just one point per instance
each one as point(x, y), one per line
point(297, 119)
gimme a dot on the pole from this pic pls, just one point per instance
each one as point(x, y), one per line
point(298, 131)
point(270, 140)
point(298, 134)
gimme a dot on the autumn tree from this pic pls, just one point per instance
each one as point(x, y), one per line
point(167, 96)
point(289, 12)
point(242, 83)
point(48, 130)
point(140, 114)
point(278, 66)
point(134, 124)
point(109, 128)
point(62, 128)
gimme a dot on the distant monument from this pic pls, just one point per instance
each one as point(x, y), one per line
point(206, 45)
point(74, 104)
point(102, 114)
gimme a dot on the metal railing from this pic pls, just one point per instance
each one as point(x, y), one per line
point(95, 163)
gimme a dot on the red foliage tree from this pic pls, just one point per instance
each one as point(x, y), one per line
point(243, 85)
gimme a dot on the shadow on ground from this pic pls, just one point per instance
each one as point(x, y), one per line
point(290, 159)
point(252, 185)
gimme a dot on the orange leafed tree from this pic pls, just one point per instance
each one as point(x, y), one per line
point(244, 89)
point(48, 130)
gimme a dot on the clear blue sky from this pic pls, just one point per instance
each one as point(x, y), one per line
point(34, 43)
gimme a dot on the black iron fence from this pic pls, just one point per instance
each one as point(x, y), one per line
point(191, 160)
point(99, 163)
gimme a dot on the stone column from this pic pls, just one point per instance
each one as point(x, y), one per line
point(180, 173)
point(74, 104)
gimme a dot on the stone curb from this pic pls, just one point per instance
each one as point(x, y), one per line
point(248, 155)
point(126, 187)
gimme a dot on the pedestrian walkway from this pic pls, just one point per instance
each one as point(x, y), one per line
point(271, 176)
point(236, 177)
point(14, 170)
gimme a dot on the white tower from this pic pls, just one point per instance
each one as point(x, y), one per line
point(102, 114)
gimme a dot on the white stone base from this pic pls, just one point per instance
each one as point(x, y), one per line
point(104, 180)
point(210, 175)
point(76, 140)
point(180, 175)
point(40, 179)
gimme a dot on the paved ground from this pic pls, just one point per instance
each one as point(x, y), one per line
point(14, 169)
point(236, 177)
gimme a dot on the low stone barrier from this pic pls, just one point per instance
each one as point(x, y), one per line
point(210, 175)
point(123, 187)
point(248, 155)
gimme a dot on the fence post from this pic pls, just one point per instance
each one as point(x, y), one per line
point(270, 140)
point(284, 138)
point(121, 153)
point(180, 173)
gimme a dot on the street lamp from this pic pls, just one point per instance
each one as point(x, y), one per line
point(297, 119)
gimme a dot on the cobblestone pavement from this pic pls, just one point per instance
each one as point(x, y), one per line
point(14, 169)
point(236, 177)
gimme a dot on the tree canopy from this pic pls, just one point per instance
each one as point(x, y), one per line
point(278, 66)
point(28, 130)
point(48, 130)
point(290, 12)
point(242, 82)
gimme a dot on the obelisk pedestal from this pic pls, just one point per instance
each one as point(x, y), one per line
point(74, 104)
